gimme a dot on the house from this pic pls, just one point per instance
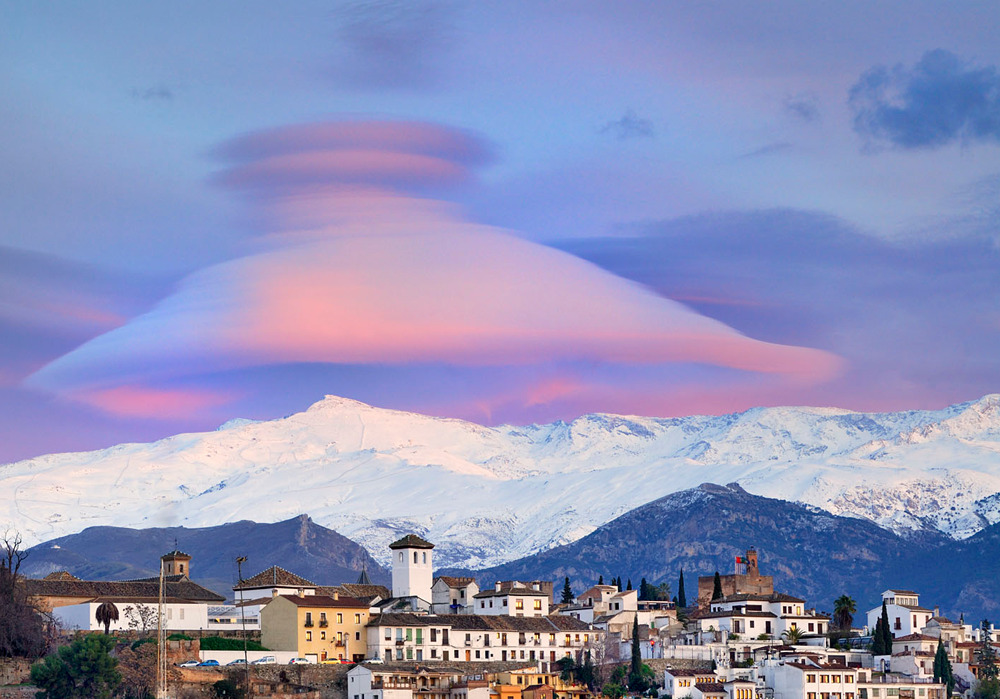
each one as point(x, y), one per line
point(906, 616)
point(380, 682)
point(531, 683)
point(472, 637)
point(751, 616)
point(451, 595)
point(871, 685)
point(273, 582)
point(317, 627)
point(708, 690)
point(809, 679)
point(513, 601)
point(74, 602)
point(678, 682)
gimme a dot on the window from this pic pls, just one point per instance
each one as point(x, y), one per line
point(505, 601)
point(309, 619)
point(538, 604)
point(519, 604)
point(340, 618)
point(414, 556)
point(309, 635)
point(434, 635)
point(357, 618)
point(322, 635)
point(810, 678)
point(181, 610)
point(400, 556)
point(425, 557)
point(357, 635)
point(482, 604)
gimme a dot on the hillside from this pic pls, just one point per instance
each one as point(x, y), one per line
point(375, 474)
point(299, 545)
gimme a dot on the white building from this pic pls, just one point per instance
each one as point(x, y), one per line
point(470, 637)
point(678, 682)
point(412, 571)
point(372, 682)
point(450, 595)
point(751, 616)
point(135, 616)
point(512, 601)
point(906, 616)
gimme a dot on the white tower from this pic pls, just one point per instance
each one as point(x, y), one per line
point(412, 567)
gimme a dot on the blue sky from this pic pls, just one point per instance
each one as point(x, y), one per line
point(655, 208)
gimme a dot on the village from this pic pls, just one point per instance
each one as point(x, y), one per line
point(446, 638)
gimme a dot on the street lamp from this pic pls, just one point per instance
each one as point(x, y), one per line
point(243, 615)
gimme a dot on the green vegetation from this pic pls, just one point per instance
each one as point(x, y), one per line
point(942, 668)
point(567, 592)
point(717, 587)
point(681, 597)
point(219, 643)
point(844, 608)
point(882, 637)
point(82, 670)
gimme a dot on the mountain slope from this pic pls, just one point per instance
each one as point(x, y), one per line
point(488, 495)
point(809, 552)
point(299, 544)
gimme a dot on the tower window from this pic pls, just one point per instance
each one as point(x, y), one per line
point(414, 556)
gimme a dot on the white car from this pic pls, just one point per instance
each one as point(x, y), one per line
point(299, 661)
point(189, 663)
point(265, 660)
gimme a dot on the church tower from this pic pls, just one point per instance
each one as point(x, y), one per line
point(176, 563)
point(412, 567)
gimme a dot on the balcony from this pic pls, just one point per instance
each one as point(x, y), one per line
point(323, 623)
point(400, 641)
point(340, 642)
point(308, 624)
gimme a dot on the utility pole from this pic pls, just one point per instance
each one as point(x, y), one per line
point(161, 643)
point(243, 615)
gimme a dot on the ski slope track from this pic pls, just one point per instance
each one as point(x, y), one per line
point(488, 495)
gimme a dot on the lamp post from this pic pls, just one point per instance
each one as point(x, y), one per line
point(243, 615)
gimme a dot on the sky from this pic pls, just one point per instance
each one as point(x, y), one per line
point(507, 212)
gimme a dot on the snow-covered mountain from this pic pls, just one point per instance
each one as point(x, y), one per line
point(487, 495)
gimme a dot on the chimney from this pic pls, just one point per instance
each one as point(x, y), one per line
point(937, 611)
point(498, 585)
point(535, 586)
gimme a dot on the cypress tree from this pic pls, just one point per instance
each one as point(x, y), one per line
point(681, 598)
point(628, 585)
point(878, 639)
point(717, 587)
point(987, 654)
point(635, 672)
point(942, 668)
point(886, 630)
point(567, 592)
point(600, 579)
point(643, 589)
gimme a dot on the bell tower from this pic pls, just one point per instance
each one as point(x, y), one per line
point(176, 563)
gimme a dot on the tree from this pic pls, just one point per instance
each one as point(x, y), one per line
point(628, 585)
point(882, 637)
point(141, 618)
point(843, 612)
point(644, 589)
point(22, 626)
point(793, 635)
point(82, 670)
point(106, 613)
point(717, 587)
point(567, 592)
point(942, 668)
point(987, 654)
point(600, 579)
point(681, 597)
point(636, 664)
point(137, 666)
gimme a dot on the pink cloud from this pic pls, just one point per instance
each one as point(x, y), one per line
point(380, 278)
point(145, 402)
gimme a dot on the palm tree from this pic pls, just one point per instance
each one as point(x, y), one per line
point(793, 634)
point(843, 612)
point(106, 613)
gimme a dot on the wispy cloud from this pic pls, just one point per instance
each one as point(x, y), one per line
point(631, 125)
point(803, 106)
point(939, 100)
point(769, 149)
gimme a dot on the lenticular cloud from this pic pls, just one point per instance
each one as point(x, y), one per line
point(359, 270)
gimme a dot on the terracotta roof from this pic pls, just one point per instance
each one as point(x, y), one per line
point(411, 541)
point(324, 601)
point(736, 612)
point(455, 582)
point(147, 590)
point(175, 554)
point(710, 687)
point(60, 575)
point(512, 591)
point(365, 593)
point(472, 622)
point(272, 577)
point(914, 637)
point(688, 672)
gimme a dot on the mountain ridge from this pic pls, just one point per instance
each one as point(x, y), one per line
point(374, 474)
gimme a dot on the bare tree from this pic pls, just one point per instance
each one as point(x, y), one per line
point(22, 626)
point(141, 618)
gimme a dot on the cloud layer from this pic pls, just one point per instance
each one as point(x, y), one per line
point(380, 277)
point(940, 100)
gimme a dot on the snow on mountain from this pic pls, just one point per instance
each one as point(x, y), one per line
point(488, 495)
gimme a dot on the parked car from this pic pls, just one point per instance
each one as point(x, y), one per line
point(189, 663)
point(238, 661)
point(374, 661)
point(264, 660)
point(298, 661)
point(208, 663)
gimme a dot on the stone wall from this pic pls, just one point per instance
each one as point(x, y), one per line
point(14, 670)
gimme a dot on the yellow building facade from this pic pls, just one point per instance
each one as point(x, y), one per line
point(318, 627)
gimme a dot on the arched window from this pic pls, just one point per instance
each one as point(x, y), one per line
point(400, 556)
point(425, 557)
point(414, 556)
